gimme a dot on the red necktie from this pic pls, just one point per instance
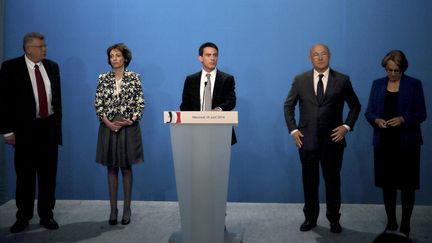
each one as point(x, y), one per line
point(43, 103)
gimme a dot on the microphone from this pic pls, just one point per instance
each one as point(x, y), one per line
point(203, 98)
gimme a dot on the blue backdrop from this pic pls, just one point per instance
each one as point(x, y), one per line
point(264, 44)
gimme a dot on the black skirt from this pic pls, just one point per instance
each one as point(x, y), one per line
point(119, 149)
point(397, 168)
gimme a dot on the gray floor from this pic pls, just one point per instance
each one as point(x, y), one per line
point(154, 222)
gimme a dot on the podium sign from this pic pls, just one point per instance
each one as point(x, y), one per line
point(201, 117)
point(201, 146)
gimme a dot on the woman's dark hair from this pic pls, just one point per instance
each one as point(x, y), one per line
point(127, 54)
point(398, 57)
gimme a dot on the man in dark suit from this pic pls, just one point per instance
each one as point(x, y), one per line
point(320, 132)
point(31, 122)
point(221, 85)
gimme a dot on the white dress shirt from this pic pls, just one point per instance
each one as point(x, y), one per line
point(324, 79)
point(47, 83)
point(202, 84)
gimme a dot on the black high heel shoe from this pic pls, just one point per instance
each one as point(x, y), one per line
point(113, 218)
point(405, 229)
point(126, 217)
point(391, 227)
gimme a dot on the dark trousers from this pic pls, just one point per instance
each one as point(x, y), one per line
point(36, 154)
point(330, 159)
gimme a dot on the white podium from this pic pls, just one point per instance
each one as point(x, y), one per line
point(201, 145)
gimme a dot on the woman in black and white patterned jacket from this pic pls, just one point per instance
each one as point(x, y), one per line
point(119, 105)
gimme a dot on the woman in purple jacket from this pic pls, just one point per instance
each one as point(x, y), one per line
point(395, 110)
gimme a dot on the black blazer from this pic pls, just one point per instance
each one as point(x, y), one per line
point(318, 120)
point(411, 106)
point(18, 106)
point(223, 94)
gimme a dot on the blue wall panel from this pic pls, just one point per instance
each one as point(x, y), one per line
point(264, 44)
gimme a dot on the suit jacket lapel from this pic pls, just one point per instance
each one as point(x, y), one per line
point(310, 87)
point(198, 79)
point(331, 82)
point(217, 86)
point(197, 87)
point(49, 72)
point(26, 77)
point(193, 90)
point(403, 90)
point(25, 72)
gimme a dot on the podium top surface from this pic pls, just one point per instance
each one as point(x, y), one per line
point(201, 117)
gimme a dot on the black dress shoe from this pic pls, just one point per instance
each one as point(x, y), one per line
point(19, 226)
point(308, 225)
point(335, 227)
point(49, 223)
point(391, 227)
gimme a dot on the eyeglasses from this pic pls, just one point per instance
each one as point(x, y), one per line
point(396, 71)
point(40, 46)
point(317, 55)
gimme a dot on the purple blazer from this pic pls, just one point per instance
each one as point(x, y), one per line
point(411, 106)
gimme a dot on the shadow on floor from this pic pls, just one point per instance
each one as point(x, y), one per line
point(66, 233)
